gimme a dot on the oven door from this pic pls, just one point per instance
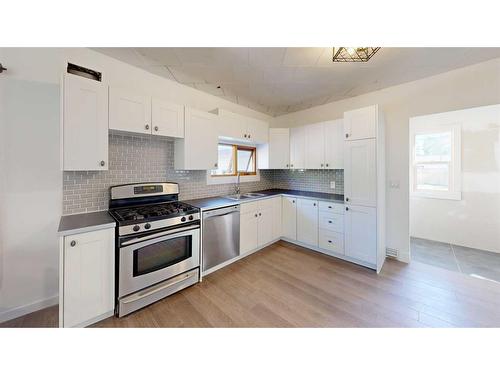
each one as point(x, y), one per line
point(150, 259)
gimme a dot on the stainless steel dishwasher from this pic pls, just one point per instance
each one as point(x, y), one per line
point(221, 235)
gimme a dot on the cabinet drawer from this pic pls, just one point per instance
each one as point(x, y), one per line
point(249, 207)
point(331, 241)
point(337, 208)
point(330, 221)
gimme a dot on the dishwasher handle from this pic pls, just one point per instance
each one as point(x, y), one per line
point(221, 211)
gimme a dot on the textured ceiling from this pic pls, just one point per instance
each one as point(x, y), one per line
point(283, 80)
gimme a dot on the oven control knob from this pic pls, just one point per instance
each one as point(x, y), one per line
point(136, 228)
point(190, 217)
point(147, 226)
point(183, 219)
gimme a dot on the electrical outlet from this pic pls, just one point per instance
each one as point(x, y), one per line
point(332, 184)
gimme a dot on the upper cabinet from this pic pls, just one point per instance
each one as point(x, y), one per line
point(361, 123)
point(129, 111)
point(324, 145)
point(132, 112)
point(315, 146)
point(84, 124)
point(276, 153)
point(298, 147)
point(242, 128)
point(198, 149)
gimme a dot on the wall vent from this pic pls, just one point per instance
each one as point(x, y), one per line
point(84, 72)
point(391, 253)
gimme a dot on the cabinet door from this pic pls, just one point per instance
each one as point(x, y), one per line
point(307, 221)
point(361, 233)
point(361, 123)
point(315, 146)
point(265, 231)
point(289, 218)
point(198, 149)
point(279, 148)
point(257, 130)
point(276, 202)
point(167, 118)
point(249, 222)
point(85, 124)
point(89, 277)
point(231, 125)
point(298, 148)
point(129, 111)
point(334, 144)
point(360, 173)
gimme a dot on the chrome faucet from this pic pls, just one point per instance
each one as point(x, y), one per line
point(237, 186)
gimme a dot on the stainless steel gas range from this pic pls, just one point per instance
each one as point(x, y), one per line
point(158, 243)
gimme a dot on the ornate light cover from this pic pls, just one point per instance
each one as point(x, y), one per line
point(353, 54)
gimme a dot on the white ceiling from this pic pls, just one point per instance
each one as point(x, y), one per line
point(283, 80)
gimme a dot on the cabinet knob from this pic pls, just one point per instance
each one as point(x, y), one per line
point(327, 164)
point(156, 128)
point(314, 204)
point(215, 165)
point(245, 135)
point(102, 163)
point(329, 241)
point(291, 165)
point(321, 165)
point(72, 243)
point(293, 201)
point(346, 199)
point(287, 165)
point(260, 213)
point(329, 221)
point(347, 208)
point(147, 126)
point(249, 136)
point(329, 206)
point(256, 215)
point(346, 135)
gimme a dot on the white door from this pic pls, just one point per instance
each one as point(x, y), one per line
point(265, 230)
point(307, 221)
point(361, 233)
point(249, 231)
point(198, 149)
point(167, 118)
point(360, 172)
point(361, 123)
point(276, 202)
point(315, 146)
point(89, 278)
point(257, 130)
point(334, 144)
point(289, 218)
point(85, 124)
point(279, 148)
point(298, 147)
point(129, 111)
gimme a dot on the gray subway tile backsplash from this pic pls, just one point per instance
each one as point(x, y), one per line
point(144, 158)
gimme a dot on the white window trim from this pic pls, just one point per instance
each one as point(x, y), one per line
point(455, 192)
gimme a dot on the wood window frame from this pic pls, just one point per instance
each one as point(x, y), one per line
point(235, 158)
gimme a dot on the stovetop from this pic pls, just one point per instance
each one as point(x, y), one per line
point(152, 212)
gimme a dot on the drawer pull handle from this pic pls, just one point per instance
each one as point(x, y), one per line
point(329, 221)
point(329, 241)
point(329, 206)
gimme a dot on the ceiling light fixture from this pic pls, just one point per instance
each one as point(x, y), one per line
point(353, 54)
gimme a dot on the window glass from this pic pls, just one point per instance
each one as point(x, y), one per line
point(245, 160)
point(225, 163)
point(433, 147)
point(434, 176)
point(235, 158)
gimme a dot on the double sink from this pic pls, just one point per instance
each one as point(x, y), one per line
point(240, 197)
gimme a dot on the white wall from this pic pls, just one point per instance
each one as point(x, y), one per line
point(468, 87)
point(30, 182)
point(473, 221)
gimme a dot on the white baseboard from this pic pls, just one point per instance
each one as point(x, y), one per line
point(16, 312)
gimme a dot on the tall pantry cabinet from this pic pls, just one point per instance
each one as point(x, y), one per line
point(364, 186)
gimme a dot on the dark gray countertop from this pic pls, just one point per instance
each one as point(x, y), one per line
point(79, 223)
point(216, 202)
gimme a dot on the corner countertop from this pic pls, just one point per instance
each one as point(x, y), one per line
point(220, 201)
point(80, 223)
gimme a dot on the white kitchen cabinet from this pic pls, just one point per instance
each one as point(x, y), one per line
point(87, 278)
point(307, 221)
point(234, 126)
point(167, 119)
point(265, 226)
point(258, 223)
point(249, 229)
point(334, 144)
point(84, 124)
point(360, 173)
point(332, 242)
point(198, 149)
point(276, 153)
point(361, 123)
point(289, 218)
point(277, 217)
point(129, 111)
point(258, 130)
point(361, 233)
point(315, 146)
point(298, 147)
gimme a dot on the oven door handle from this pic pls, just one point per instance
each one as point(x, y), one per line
point(160, 234)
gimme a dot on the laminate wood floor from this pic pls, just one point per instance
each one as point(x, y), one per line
point(285, 285)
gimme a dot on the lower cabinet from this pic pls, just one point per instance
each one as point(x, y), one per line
point(289, 218)
point(87, 277)
point(361, 233)
point(307, 221)
point(258, 223)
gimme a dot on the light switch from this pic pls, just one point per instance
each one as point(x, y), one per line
point(332, 184)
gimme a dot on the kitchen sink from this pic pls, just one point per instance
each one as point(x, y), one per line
point(239, 197)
